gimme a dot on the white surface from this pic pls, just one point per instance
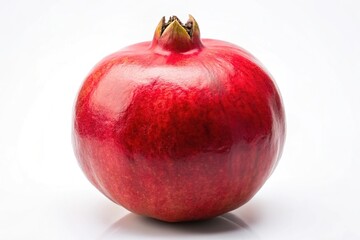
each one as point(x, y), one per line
point(310, 47)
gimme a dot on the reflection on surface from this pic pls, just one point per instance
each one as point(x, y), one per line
point(135, 226)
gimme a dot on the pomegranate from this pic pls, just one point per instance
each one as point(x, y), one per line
point(179, 128)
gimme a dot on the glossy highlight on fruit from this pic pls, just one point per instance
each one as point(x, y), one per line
point(179, 128)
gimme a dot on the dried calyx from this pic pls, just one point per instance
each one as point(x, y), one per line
point(188, 26)
point(175, 36)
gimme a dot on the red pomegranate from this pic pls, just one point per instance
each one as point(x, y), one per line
point(180, 128)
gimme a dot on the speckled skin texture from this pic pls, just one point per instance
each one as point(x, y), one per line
point(179, 136)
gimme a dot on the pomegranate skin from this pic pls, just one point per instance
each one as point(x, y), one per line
point(179, 134)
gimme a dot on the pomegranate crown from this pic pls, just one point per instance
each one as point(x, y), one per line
point(173, 35)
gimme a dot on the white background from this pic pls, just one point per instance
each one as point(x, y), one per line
point(310, 47)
